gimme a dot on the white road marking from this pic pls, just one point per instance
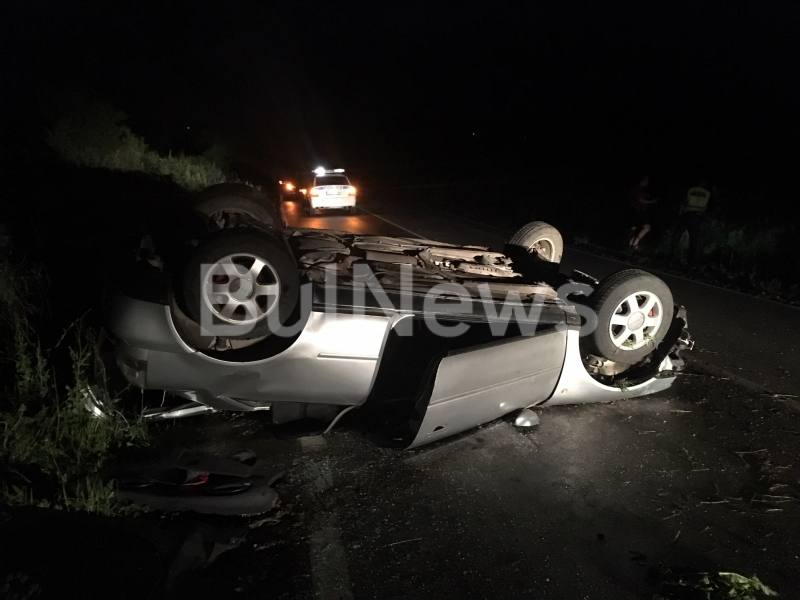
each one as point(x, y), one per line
point(320, 472)
point(312, 443)
point(393, 224)
point(329, 576)
point(324, 478)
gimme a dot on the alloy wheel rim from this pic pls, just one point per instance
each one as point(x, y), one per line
point(544, 248)
point(241, 289)
point(636, 320)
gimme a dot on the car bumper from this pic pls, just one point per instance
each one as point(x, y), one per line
point(322, 202)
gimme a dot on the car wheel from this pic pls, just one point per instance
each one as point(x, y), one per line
point(352, 210)
point(634, 312)
point(243, 280)
point(231, 204)
point(311, 211)
point(539, 238)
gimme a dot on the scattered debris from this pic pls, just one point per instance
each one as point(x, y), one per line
point(401, 542)
point(696, 464)
point(623, 383)
point(675, 584)
point(270, 520)
point(201, 483)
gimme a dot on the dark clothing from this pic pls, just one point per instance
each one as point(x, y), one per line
point(691, 222)
point(640, 219)
point(640, 209)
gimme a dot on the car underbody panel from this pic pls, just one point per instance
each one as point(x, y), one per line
point(476, 386)
point(480, 384)
point(333, 361)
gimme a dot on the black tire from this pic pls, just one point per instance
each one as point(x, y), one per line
point(612, 300)
point(225, 202)
point(238, 247)
point(311, 211)
point(352, 210)
point(231, 188)
point(540, 238)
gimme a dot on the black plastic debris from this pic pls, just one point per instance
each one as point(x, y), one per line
point(201, 483)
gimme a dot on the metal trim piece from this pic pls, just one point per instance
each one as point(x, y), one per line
point(184, 410)
point(332, 356)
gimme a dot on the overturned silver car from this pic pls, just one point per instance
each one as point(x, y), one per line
point(429, 339)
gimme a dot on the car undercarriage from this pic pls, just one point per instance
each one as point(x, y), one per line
point(435, 337)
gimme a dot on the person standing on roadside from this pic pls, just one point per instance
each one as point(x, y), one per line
point(690, 218)
point(640, 202)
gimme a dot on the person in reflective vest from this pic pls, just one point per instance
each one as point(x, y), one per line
point(690, 218)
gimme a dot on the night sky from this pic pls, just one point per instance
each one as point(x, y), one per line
point(591, 91)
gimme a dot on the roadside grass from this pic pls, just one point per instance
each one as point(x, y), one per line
point(757, 257)
point(52, 449)
point(754, 259)
point(193, 173)
point(710, 586)
point(95, 136)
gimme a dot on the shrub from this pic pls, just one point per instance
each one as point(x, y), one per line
point(50, 444)
point(95, 136)
point(190, 172)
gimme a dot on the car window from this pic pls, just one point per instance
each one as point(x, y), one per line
point(332, 180)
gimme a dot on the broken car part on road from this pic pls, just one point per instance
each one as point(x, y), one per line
point(200, 483)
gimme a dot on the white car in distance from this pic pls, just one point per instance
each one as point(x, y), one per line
point(331, 189)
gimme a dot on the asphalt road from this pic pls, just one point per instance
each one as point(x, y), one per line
point(596, 502)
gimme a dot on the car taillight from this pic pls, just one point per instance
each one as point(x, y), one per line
point(135, 371)
point(315, 191)
point(351, 191)
point(289, 187)
point(303, 191)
